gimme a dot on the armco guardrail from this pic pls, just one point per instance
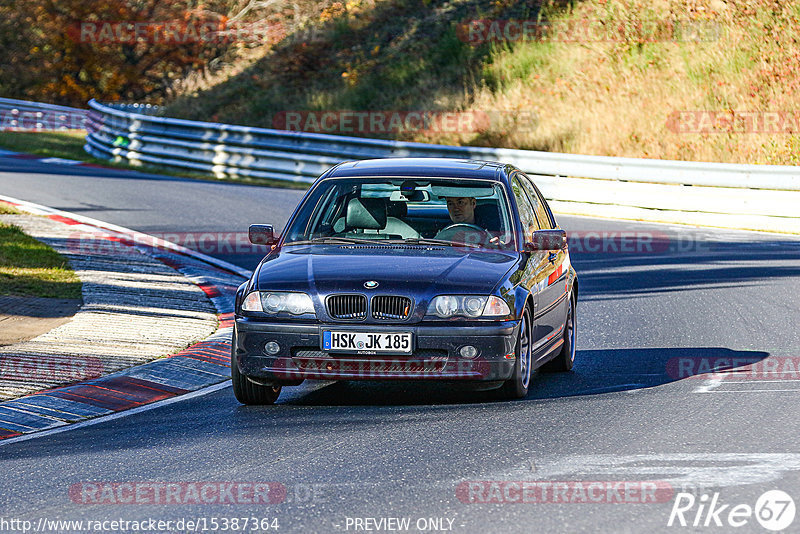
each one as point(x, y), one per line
point(763, 197)
point(22, 115)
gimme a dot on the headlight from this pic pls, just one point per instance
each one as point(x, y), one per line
point(275, 302)
point(446, 306)
point(473, 306)
point(252, 302)
point(496, 307)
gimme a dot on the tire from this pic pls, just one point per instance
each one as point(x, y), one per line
point(249, 393)
point(566, 357)
point(517, 386)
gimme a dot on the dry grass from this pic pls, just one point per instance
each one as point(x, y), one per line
point(611, 97)
point(363, 55)
point(7, 209)
point(617, 98)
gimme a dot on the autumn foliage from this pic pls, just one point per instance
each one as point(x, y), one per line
point(68, 51)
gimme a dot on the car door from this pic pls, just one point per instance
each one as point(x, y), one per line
point(534, 272)
point(551, 312)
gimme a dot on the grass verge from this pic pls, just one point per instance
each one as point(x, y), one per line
point(69, 145)
point(703, 80)
point(29, 268)
point(7, 209)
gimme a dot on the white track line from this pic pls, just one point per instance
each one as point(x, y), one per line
point(796, 390)
point(44, 210)
point(116, 415)
point(734, 381)
point(138, 237)
point(709, 385)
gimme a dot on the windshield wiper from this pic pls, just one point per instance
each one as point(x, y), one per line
point(431, 241)
point(336, 240)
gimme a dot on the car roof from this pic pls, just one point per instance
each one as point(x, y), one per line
point(423, 167)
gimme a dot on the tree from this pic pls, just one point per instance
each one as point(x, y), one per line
point(68, 51)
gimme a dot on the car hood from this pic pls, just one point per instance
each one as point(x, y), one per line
point(403, 270)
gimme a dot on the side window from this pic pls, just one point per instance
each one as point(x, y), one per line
point(553, 223)
point(328, 216)
point(527, 217)
point(545, 222)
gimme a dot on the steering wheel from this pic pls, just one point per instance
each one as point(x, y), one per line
point(449, 232)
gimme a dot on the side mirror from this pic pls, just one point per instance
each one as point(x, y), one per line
point(261, 234)
point(547, 240)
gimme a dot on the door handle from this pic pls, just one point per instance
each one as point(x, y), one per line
point(553, 257)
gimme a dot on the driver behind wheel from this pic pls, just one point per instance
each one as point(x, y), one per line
point(466, 226)
point(461, 209)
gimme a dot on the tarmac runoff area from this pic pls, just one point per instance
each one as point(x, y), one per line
point(143, 305)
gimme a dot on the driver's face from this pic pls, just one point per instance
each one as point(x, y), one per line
point(461, 209)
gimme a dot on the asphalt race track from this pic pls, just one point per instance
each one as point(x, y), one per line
point(656, 301)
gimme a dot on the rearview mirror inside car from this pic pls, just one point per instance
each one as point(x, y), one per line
point(547, 240)
point(412, 195)
point(262, 234)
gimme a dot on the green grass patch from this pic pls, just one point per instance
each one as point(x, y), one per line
point(519, 62)
point(69, 145)
point(30, 268)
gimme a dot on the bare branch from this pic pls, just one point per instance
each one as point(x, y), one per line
point(254, 5)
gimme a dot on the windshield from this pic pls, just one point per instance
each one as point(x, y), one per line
point(454, 212)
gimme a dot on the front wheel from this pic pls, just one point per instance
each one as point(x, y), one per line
point(566, 357)
point(517, 386)
point(247, 392)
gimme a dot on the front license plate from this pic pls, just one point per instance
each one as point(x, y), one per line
point(363, 342)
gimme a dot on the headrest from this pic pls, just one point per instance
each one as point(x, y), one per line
point(366, 214)
point(487, 213)
point(397, 209)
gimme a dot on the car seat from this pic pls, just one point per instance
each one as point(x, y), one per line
point(487, 214)
point(368, 217)
point(396, 212)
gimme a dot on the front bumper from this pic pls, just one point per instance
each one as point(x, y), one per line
point(435, 356)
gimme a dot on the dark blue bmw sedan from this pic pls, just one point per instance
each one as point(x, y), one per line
point(418, 269)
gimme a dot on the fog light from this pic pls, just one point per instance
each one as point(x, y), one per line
point(272, 348)
point(468, 351)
